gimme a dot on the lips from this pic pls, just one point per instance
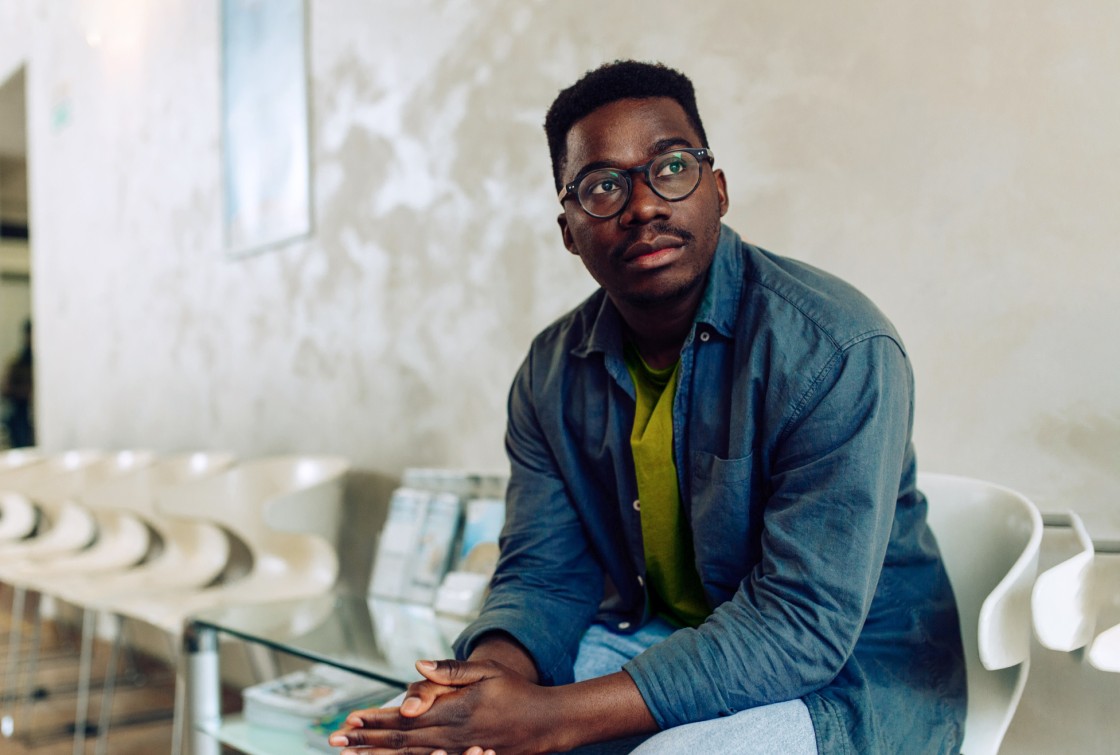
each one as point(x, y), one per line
point(641, 249)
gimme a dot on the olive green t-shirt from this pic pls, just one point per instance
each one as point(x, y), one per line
point(671, 576)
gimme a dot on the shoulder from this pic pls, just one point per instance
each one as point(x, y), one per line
point(579, 331)
point(795, 297)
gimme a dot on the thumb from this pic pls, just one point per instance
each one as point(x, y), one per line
point(453, 673)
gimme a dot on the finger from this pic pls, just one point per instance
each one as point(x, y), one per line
point(368, 716)
point(421, 696)
point(356, 718)
point(455, 673)
point(386, 741)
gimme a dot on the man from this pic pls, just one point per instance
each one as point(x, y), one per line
point(713, 528)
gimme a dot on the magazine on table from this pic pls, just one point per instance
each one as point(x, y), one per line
point(318, 732)
point(294, 701)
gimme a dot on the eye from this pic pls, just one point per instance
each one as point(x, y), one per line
point(673, 165)
point(603, 185)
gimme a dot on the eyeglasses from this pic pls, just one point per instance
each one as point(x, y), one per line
point(673, 175)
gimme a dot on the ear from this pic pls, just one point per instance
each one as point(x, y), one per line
point(721, 190)
point(566, 233)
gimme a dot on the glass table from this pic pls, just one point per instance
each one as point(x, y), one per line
point(378, 638)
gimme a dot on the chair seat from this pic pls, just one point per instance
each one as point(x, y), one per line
point(277, 580)
point(192, 557)
point(18, 516)
point(73, 528)
point(123, 540)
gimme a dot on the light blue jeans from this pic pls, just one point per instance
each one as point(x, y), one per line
point(780, 728)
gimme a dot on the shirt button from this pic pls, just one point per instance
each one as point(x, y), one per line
point(637, 505)
point(641, 582)
point(705, 335)
point(624, 625)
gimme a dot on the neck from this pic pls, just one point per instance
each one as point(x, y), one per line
point(658, 330)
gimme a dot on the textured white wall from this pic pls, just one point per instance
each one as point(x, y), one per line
point(956, 160)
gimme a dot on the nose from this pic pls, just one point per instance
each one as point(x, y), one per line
point(644, 205)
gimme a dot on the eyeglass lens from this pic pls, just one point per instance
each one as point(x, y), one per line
point(673, 175)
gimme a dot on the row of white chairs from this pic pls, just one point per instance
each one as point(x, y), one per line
point(142, 536)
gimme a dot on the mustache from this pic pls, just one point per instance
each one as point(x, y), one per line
point(658, 228)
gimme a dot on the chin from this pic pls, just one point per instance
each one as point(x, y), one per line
point(660, 295)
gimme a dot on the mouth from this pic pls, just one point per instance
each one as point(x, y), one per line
point(646, 252)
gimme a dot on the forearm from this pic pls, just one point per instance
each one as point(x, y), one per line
point(598, 710)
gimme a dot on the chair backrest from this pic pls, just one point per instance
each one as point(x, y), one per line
point(137, 492)
point(29, 477)
point(1104, 652)
point(14, 458)
point(989, 538)
point(1063, 602)
point(285, 509)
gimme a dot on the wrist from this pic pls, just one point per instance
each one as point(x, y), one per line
point(502, 648)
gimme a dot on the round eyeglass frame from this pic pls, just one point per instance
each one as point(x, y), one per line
point(702, 155)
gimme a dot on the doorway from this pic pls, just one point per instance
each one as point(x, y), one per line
point(17, 393)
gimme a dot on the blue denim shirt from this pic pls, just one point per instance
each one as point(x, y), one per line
point(792, 437)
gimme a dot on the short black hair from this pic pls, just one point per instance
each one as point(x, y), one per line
point(620, 80)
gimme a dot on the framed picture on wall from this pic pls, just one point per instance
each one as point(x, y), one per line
point(265, 120)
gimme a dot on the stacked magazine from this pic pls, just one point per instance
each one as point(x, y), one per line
point(296, 701)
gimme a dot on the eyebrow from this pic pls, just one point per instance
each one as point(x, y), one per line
point(659, 146)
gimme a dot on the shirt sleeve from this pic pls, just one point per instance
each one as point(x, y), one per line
point(794, 621)
point(547, 585)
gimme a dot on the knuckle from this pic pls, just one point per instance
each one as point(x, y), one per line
point(450, 667)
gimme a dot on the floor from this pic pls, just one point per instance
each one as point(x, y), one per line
point(141, 706)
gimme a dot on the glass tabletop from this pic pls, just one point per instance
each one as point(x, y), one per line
point(372, 636)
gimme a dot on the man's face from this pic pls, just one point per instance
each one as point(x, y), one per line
point(655, 251)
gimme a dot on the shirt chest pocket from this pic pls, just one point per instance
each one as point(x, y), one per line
point(725, 516)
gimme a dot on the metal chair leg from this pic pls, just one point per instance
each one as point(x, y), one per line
point(8, 690)
point(25, 694)
point(85, 672)
point(178, 721)
point(107, 691)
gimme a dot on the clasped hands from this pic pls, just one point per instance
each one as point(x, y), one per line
point(479, 707)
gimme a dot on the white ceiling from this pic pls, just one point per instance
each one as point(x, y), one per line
point(13, 117)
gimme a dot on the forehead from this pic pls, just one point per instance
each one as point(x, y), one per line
point(626, 132)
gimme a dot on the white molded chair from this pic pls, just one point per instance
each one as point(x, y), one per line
point(1073, 596)
point(56, 486)
point(1063, 603)
point(989, 538)
point(192, 554)
point(286, 510)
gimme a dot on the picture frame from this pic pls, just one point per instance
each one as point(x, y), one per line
point(265, 124)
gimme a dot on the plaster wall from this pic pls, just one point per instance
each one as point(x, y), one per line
point(958, 161)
